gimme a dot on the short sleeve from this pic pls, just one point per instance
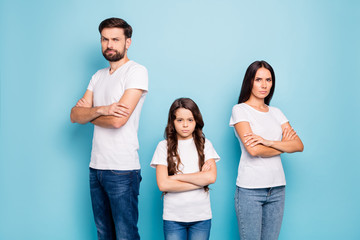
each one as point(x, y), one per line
point(280, 116)
point(137, 78)
point(238, 114)
point(93, 81)
point(210, 152)
point(160, 155)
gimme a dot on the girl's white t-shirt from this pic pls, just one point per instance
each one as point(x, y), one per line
point(188, 206)
point(259, 172)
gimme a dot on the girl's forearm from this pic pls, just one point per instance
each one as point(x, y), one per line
point(199, 178)
point(172, 185)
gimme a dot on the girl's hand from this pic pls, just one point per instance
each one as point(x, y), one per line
point(288, 134)
point(207, 165)
point(252, 140)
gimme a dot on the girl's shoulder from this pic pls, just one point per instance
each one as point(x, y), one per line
point(208, 143)
point(162, 144)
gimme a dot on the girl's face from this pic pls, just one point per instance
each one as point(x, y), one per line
point(184, 124)
point(262, 83)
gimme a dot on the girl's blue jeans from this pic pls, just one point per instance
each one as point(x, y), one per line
point(199, 230)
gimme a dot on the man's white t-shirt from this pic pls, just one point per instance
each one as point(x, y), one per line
point(116, 149)
point(259, 172)
point(188, 206)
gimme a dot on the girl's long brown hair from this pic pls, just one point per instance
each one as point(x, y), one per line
point(173, 158)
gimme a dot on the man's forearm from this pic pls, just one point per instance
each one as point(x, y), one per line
point(109, 121)
point(84, 115)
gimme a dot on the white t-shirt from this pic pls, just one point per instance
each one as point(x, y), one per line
point(116, 149)
point(188, 206)
point(259, 172)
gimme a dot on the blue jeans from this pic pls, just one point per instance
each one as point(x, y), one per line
point(259, 212)
point(199, 230)
point(114, 197)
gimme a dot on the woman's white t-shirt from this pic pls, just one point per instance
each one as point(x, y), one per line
point(259, 172)
point(187, 206)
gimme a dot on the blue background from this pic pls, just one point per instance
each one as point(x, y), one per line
point(199, 49)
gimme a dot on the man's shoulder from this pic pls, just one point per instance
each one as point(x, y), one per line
point(134, 66)
point(102, 71)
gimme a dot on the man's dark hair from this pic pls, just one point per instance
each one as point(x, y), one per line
point(116, 23)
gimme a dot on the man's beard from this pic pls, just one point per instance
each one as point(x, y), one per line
point(117, 56)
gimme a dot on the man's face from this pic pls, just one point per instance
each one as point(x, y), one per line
point(114, 44)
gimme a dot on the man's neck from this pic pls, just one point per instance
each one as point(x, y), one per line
point(115, 65)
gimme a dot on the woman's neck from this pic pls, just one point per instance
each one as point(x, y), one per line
point(257, 103)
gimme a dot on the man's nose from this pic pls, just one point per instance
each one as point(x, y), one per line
point(110, 44)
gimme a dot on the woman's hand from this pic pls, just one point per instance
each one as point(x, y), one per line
point(252, 140)
point(288, 134)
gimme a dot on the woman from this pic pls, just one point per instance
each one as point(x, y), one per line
point(264, 133)
point(185, 166)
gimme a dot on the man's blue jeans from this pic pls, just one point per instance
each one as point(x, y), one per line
point(259, 212)
point(199, 230)
point(114, 196)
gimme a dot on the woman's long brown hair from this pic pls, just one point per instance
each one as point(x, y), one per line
point(173, 158)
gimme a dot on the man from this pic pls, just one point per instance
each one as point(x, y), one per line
point(112, 102)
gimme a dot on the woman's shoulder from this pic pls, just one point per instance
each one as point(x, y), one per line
point(275, 109)
point(240, 107)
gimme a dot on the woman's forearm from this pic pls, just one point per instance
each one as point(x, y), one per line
point(288, 146)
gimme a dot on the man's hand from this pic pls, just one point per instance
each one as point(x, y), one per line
point(83, 103)
point(116, 109)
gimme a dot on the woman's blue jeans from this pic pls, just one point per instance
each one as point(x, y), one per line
point(199, 230)
point(114, 196)
point(259, 212)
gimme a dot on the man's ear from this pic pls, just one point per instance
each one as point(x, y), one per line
point(127, 43)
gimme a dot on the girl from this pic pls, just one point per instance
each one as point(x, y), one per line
point(185, 166)
point(264, 133)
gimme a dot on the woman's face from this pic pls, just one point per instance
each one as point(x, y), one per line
point(262, 83)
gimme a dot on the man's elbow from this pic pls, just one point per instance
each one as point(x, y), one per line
point(118, 122)
point(301, 148)
point(72, 115)
point(253, 152)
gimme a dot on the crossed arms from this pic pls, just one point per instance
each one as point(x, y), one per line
point(111, 116)
point(258, 146)
point(186, 182)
